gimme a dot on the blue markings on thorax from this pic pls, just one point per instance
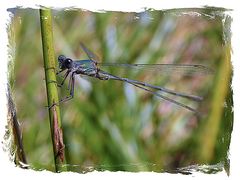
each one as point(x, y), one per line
point(87, 67)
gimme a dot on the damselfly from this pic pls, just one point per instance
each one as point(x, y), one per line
point(90, 67)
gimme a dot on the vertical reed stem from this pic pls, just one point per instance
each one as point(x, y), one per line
point(52, 94)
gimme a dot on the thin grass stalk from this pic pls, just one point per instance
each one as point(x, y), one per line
point(20, 157)
point(212, 127)
point(52, 94)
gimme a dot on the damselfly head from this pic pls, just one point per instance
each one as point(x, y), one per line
point(64, 62)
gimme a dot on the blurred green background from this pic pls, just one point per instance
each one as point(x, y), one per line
point(113, 126)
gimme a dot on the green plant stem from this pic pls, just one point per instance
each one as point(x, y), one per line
point(52, 94)
point(212, 126)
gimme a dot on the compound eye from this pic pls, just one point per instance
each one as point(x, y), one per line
point(61, 58)
point(68, 63)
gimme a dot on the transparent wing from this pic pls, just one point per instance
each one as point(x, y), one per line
point(187, 69)
point(89, 53)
